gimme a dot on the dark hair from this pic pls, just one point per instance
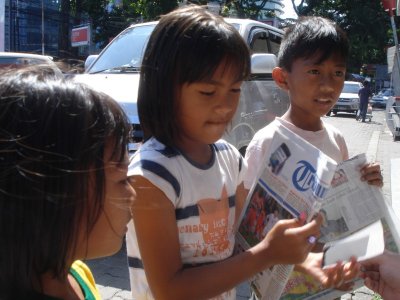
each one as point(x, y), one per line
point(311, 36)
point(187, 45)
point(53, 134)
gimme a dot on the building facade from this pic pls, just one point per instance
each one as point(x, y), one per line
point(31, 26)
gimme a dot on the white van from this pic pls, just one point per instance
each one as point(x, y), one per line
point(116, 69)
point(348, 101)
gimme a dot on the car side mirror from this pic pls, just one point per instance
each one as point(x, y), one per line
point(89, 60)
point(263, 63)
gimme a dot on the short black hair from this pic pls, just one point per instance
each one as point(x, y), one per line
point(311, 36)
point(53, 134)
point(187, 45)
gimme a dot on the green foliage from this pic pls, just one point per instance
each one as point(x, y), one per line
point(151, 9)
point(112, 22)
point(107, 23)
point(365, 22)
point(252, 9)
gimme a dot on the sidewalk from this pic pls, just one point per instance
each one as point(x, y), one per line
point(373, 138)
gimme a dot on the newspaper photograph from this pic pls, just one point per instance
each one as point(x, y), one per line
point(351, 204)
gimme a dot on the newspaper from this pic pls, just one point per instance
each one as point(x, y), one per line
point(357, 222)
point(294, 177)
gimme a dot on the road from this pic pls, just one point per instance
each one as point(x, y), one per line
point(373, 138)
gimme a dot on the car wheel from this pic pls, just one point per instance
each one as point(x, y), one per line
point(329, 113)
point(335, 112)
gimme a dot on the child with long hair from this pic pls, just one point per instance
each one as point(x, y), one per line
point(64, 191)
point(189, 182)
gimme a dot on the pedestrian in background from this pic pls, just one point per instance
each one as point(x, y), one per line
point(364, 93)
point(64, 193)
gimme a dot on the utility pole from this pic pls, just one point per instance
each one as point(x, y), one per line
point(390, 6)
point(42, 27)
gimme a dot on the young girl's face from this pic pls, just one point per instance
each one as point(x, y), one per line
point(109, 231)
point(206, 107)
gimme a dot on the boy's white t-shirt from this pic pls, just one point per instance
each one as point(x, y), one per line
point(329, 140)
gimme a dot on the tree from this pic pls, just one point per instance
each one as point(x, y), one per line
point(252, 9)
point(76, 12)
point(365, 22)
point(151, 9)
point(64, 45)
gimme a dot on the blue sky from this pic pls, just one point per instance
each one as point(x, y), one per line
point(289, 12)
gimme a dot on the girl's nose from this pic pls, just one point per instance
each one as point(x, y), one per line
point(227, 105)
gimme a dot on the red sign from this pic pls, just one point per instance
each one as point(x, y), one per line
point(389, 5)
point(80, 36)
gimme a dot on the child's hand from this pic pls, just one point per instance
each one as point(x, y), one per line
point(290, 241)
point(336, 276)
point(372, 174)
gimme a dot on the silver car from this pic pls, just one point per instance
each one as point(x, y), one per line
point(380, 99)
point(348, 101)
point(116, 72)
point(19, 60)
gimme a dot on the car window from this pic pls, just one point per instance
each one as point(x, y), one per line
point(351, 88)
point(386, 93)
point(263, 41)
point(125, 50)
point(21, 61)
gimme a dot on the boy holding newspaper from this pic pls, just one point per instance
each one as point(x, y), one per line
point(311, 68)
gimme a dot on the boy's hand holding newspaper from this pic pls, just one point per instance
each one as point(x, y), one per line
point(289, 242)
point(371, 173)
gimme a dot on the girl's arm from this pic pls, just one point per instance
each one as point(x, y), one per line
point(156, 229)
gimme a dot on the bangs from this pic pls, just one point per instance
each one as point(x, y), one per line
point(200, 57)
point(323, 48)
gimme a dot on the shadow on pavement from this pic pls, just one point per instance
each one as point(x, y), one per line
point(111, 271)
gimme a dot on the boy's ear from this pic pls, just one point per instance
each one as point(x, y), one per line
point(279, 76)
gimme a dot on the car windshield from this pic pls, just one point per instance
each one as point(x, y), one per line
point(386, 93)
point(351, 88)
point(125, 51)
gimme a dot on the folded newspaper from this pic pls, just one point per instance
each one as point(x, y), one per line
point(297, 177)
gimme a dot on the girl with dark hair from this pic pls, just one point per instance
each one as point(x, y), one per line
point(189, 183)
point(64, 191)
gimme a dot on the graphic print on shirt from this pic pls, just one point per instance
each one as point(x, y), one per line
point(214, 216)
